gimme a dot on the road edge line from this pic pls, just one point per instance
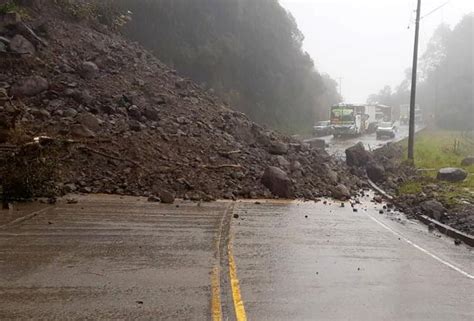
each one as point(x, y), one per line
point(442, 228)
point(466, 274)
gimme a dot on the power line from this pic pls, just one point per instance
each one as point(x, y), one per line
point(435, 9)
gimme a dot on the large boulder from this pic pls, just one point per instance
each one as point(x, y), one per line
point(277, 181)
point(29, 86)
point(21, 45)
point(375, 172)
point(468, 161)
point(357, 155)
point(433, 209)
point(341, 192)
point(451, 174)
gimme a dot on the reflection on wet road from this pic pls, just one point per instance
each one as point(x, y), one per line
point(109, 258)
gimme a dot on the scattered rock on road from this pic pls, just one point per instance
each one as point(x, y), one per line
point(167, 197)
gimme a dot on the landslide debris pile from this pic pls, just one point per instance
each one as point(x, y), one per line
point(130, 125)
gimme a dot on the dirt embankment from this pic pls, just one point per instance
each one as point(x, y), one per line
point(125, 123)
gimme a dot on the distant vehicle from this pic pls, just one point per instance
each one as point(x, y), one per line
point(352, 120)
point(386, 129)
point(405, 114)
point(322, 128)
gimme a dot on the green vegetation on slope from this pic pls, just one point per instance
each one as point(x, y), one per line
point(435, 149)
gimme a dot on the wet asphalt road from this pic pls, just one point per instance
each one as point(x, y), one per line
point(337, 146)
point(112, 258)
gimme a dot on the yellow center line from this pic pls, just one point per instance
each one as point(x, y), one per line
point(216, 306)
point(234, 282)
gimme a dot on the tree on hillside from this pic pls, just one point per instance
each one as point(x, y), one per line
point(249, 52)
point(446, 85)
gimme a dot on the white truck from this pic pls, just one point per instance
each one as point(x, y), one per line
point(352, 119)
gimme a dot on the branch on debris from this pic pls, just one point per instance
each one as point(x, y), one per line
point(235, 166)
point(94, 151)
point(230, 153)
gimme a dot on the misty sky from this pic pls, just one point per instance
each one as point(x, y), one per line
point(367, 42)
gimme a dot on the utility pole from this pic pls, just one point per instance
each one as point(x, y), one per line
point(411, 130)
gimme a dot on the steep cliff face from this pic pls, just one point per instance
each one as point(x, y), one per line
point(130, 125)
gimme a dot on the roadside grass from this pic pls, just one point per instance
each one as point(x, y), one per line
point(435, 149)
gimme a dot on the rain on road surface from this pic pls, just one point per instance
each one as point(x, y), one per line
point(122, 258)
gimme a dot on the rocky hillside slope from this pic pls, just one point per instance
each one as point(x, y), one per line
point(131, 125)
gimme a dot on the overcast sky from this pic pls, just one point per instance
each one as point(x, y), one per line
point(367, 42)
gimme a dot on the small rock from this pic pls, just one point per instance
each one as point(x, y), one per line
point(278, 148)
point(88, 70)
point(167, 197)
point(71, 201)
point(151, 114)
point(21, 45)
point(70, 188)
point(70, 112)
point(381, 212)
point(236, 215)
point(377, 199)
point(29, 86)
point(457, 242)
point(89, 120)
point(134, 112)
point(431, 227)
point(433, 209)
point(282, 162)
point(81, 131)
